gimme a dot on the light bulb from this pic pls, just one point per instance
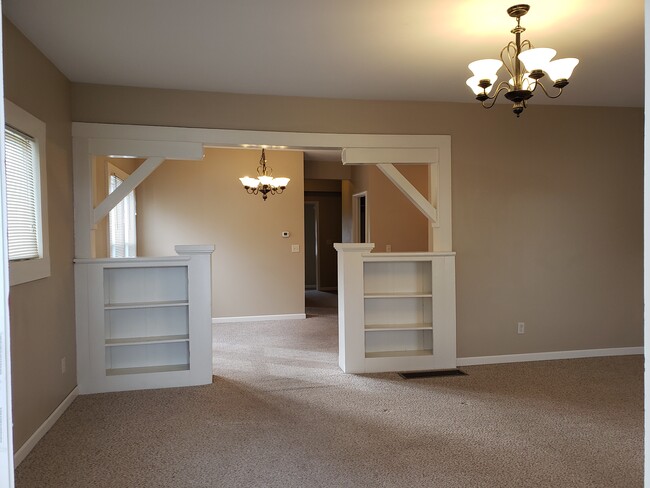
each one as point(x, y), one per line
point(527, 83)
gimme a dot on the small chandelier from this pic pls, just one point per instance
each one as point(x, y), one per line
point(525, 79)
point(264, 183)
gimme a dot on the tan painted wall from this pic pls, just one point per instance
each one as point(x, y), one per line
point(547, 208)
point(203, 202)
point(392, 218)
point(327, 170)
point(42, 312)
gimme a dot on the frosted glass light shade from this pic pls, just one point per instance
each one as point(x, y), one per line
point(474, 81)
point(277, 182)
point(537, 58)
point(561, 69)
point(485, 69)
point(251, 182)
point(527, 83)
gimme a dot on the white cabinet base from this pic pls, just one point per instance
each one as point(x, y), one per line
point(144, 322)
point(397, 311)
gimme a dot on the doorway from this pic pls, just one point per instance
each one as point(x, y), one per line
point(360, 230)
point(312, 265)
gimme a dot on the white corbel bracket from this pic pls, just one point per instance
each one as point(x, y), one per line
point(157, 151)
point(385, 158)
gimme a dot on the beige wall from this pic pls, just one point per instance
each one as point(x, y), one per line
point(547, 208)
point(202, 202)
point(392, 219)
point(42, 312)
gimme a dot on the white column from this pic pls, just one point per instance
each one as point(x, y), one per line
point(350, 284)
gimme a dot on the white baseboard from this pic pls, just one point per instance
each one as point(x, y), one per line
point(548, 356)
point(27, 447)
point(259, 318)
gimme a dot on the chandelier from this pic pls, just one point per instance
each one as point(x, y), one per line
point(264, 183)
point(524, 80)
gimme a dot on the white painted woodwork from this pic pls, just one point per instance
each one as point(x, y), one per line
point(409, 191)
point(403, 155)
point(441, 198)
point(83, 169)
point(144, 322)
point(248, 138)
point(126, 187)
point(91, 139)
point(145, 148)
point(397, 311)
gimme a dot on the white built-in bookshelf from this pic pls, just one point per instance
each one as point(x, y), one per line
point(144, 322)
point(397, 311)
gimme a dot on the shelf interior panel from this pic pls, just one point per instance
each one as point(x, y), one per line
point(154, 304)
point(396, 354)
point(145, 284)
point(148, 369)
point(131, 323)
point(380, 341)
point(399, 295)
point(399, 276)
point(384, 327)
point(398, 311)
point(121, 356)
point(147, 340)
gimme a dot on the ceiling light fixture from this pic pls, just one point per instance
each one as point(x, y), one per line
point(525, 64)
point(264, 183)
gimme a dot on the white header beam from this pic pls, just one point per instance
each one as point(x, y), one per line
point(367, 155)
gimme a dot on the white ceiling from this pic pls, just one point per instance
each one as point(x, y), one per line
point(363, 49)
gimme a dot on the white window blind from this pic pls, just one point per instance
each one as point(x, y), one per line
point(21, 167)
point(121, 221)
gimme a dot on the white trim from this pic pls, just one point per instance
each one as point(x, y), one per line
point(147, 149)
point(411, 155)
point(27, 447)
point(258, 318)
point(118, 133)
point(410, 192)
point(549, 356)
point(129, 184)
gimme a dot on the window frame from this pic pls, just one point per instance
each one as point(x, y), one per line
point(112, 169)
point(24, 271)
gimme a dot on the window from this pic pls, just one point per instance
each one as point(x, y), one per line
point(25, 171)
point(22, 193)
point(121, 219)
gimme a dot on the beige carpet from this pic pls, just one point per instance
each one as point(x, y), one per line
point(281, 414)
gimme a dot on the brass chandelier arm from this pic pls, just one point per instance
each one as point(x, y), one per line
point(500, 87)
point(507, 51)
point(546, 92)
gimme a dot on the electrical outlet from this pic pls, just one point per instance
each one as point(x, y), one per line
point(389, 248)
point(63, 366)
point(521, 327)
point(295, 247)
